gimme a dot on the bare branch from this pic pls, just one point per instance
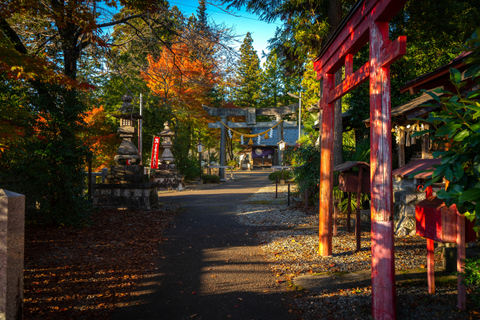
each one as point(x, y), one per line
point(116, 22)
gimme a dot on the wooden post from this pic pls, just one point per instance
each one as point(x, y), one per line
point(383, 258)
point(401, 147)
point(326, 171)
point(335, 217)
point(223, 149)
point(349, 210)
point(426, 144)
point(306, 201)
point(430, 266)
point(276, 188)
point(358, 232)
point(90, 178)
point(462, 294)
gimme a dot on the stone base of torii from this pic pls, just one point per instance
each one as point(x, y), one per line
point(250, 115)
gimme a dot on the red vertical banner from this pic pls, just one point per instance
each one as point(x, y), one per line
point(154, 159)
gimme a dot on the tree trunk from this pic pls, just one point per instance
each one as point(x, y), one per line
point(334, 19)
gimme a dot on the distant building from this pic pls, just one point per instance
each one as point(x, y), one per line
point(264, 153)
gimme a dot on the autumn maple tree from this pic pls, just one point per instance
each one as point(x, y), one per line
point(44, 46)
point(179, 79)
point(100, 137)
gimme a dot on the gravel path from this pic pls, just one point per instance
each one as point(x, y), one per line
point(291, 247)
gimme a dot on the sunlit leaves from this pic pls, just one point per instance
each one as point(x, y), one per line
point(457, 128)
point(179, 79)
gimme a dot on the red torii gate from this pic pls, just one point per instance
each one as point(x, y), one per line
point(367, 22)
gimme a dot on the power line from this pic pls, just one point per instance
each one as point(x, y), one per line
point(236, 16)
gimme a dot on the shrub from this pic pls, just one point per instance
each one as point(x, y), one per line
point(188, 167)
point(232, 163)
point(208, 178)
point(278, 175)
point(471, 278)
point(455, 124)
point(305, 160)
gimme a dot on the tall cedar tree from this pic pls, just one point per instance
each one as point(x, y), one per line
point(247, 90)
point(271, 89)
point(307, 24)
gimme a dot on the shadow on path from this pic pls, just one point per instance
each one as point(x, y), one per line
point(211, 267)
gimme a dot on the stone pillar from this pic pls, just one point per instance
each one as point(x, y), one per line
point(223, 149)
point(12, 238)
point(279, 138)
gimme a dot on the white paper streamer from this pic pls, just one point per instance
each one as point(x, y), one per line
point(258, 139)
point(241, 140)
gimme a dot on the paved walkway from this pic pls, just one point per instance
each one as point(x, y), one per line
point(211, 267)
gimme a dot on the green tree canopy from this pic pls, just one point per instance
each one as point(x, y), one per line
point(247, 90)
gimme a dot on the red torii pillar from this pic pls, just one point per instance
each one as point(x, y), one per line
point(367, 22)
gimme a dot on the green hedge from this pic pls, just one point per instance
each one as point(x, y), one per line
point(278, 175)
point(208, 178)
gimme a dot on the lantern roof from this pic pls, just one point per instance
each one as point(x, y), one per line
point(166, 131)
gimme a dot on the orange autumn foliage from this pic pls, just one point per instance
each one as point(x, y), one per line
point(100, 137)
point(180, 79)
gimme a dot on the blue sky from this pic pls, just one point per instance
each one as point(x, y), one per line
point(242, 23)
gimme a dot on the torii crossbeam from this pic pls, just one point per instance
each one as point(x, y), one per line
point(250, 115)
point(367, 22)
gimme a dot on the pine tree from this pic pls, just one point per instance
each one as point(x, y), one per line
point(271, 89)
point(202, 14)
point(248, 74)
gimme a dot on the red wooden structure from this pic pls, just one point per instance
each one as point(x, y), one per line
point(368, 22)
point(353, 181)
point(437, 222)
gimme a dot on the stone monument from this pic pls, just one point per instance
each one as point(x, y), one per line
point(126, 185)
point(167, 175)
point(12, 239)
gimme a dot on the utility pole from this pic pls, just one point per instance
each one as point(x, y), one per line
point(299, 112)
point(140, 128)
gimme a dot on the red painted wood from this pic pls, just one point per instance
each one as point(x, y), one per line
point(431, 266)
point(438, 222)
point(383, 260)
point(394, 51)
point(348, 182)
point(462, 293)
point(383, 274)
point(348, 65)
point(429, 192)
point(350, 82)
point(355, 34)
point(326, 171)
point(363, 26)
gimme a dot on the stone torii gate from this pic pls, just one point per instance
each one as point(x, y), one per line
point(250, 115)
point(367, 22)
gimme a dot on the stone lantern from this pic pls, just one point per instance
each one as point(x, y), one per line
point(127, 152)
point(167, 175)
point(166, 134)
point(126, 185)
